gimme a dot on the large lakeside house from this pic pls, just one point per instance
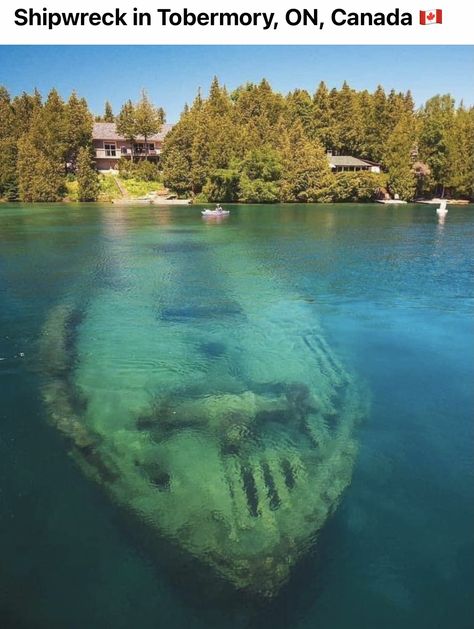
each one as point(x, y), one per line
point(110, 146)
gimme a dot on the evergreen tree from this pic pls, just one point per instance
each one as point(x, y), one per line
point(176, 171)
point(126, 124)
point(347, 122)
point(78, 129)
point(460, 154)
point(306, 172)
point(24, 107)
point(108, 113)
point(322, 128)
point(41, 177)
point(260, 176)
point(87, 177)
point(376, 125)
point(48, 129)
point(8, 149)
point(398, 158)
point(148, 119)
point(300, 108)
point(437, 121)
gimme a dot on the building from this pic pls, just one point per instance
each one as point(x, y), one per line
point(347, 163)
point(110, 146)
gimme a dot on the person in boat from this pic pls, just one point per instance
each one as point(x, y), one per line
point(218, 208)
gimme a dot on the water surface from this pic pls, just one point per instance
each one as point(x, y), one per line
point(392, 290)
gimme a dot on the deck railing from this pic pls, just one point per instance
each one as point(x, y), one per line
point(125, 152)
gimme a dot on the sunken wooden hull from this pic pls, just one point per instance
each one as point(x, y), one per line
point(242, 477)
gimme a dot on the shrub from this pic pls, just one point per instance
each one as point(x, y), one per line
point(356, 186)
point(142, 170)
point(222, 185)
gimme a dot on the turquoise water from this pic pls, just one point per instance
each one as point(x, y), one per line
point(134, 310)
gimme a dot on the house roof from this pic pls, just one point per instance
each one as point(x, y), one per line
point(108, 131)
point(348, 160)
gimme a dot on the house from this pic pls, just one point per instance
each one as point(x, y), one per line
point(110, 146)
point(347, 163)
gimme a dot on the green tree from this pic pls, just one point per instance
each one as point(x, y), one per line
point(398, 158)
point(48, 129)
point(8, 148)
point(87, 178)
point(223, 184)
point(347, 121)
point(356, 186)
point(176, 172)
point(437, 121)
point(108, 113)
point(322, 127)
point(460, 154)
point(42, 152)
point(126, 123)
point(306, 172)
point(148, 119)
point(41, 178)
point(78, 129)
point(260, 176)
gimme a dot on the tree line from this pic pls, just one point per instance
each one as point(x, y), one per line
point(252, 144)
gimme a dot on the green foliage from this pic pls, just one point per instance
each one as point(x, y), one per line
point(139, 120)
point(140, 188)
point(40, 143)
point(176, 171)
point(108, 188)
point(460, 154)
point(306, 172)
point(72, 189)
point(142, 170)
point(260, 173)
point(253, 145)
point(148, 119)
point(356, 186)
point(108, 113)
point(258, 191)
point(437, 122)
point(41, 177)
point(78, 129)
point(223, 138)
point(125, 122)
point(398, 159)
point(222, 185)
point(87, 178)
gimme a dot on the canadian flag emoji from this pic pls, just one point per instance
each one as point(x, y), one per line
point(432, 16)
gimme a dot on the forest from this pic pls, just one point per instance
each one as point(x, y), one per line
point(251, 145)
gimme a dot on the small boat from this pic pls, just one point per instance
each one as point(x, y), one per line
point(442, 210)
point(208, 212)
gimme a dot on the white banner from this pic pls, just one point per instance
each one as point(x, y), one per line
point(235, 22)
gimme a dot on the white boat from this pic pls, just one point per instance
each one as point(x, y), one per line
point(442, 210)
point(208, 212)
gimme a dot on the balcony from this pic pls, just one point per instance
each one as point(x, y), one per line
point(124, 152)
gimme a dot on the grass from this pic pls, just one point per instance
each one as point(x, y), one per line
point(72, 189)
point(108, 188)
point(137, 188)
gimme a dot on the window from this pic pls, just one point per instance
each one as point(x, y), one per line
point(110, 149)
point(141, 148)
